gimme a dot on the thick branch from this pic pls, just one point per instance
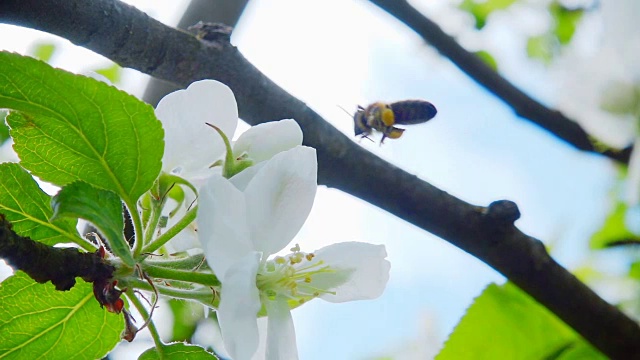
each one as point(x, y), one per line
point(215, 11)
point(45, 263)
point(132, 39)
point(523, 105)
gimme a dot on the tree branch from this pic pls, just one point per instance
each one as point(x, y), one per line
point(523, 105)
point(215, 11)
point(45, 263)
point(131, 38)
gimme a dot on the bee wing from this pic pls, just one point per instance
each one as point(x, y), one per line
point(409, 112)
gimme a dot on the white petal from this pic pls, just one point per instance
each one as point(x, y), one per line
point(263, 141)
point(279, 198)
point(281, 335)
point(362, 271)
point(190, 145)
point(186, 239)
point(239, 306)
point(243, 178)
point(222, 224)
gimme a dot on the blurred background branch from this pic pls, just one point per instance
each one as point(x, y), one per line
point(521, 103)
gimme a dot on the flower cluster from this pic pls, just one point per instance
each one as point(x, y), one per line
point(250, 207)
point(602, 90)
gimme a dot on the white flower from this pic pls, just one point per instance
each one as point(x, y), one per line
point(598, 77)
point(602, 90)
point(191, 146)
point(244, 220)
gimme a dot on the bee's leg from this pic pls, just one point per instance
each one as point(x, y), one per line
point(366, 136)
point(393, 132)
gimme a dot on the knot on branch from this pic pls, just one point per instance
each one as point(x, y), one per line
point(501, 213)
point(216, 34)
point(45, 263)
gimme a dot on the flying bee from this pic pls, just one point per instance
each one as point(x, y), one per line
point(382, 117)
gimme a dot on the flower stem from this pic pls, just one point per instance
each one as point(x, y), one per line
point(137, 228)
point(145, 315)
point(207, 296)
point(181, 275)
point(189, 262)
point(154, 218)
point(172, 232)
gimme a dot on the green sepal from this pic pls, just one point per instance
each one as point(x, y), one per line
point(102, 208)
point(232, 164)
point(167, 186)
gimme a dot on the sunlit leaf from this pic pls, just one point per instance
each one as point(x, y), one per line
point(566, 21)
point(505, 323)
point(71, 127)
point(481, 9)
point(113, 73)
point(38, 322)
point(27, 207)
point(488, 59)
point(634, 270)
point(614, 232)
point(43, 51)
point(178, 351)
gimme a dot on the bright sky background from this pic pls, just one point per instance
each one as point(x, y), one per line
point(344, 53)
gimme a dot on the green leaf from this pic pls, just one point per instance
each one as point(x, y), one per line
point(38, 322)
point(481, 9)
point(43, 51)
point(113, 73)
point(634, 270)
point(178, 351)
point(28, 209)
point(488, 59)
point(614, 232)
point(71, 127)
point(102, 208)
point(505, 323)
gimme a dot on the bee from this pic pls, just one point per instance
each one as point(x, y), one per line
point(382, 117)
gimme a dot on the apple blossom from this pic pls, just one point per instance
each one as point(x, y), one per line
point(243, 220)
point(602, 90)
point(191, 147)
